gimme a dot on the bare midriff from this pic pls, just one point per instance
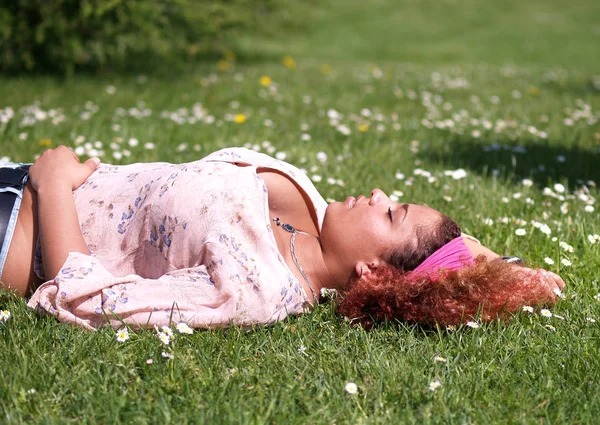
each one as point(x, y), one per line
point(18, 273)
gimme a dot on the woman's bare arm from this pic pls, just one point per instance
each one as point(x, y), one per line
point(54, 176)
point(58, 228)
point(478, 249)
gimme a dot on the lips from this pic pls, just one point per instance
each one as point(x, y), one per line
point(351, 201)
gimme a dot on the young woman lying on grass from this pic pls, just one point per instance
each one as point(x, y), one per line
point(238, 238)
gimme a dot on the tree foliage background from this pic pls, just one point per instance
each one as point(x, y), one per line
point(64, 36)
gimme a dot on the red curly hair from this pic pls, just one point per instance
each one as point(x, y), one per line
point(484, 289)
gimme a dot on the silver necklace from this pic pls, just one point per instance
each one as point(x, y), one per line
point(291, 229)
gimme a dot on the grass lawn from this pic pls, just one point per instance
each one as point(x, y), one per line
point(389, 94)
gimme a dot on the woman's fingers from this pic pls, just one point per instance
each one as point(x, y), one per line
point(91, 165)
point(558, 280)
point(61, 166)
point(553, 281)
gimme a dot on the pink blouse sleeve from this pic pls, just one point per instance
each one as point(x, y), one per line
point(84, 293)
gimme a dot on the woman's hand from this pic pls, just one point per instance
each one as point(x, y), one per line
point(60, 167)
point(551, 280)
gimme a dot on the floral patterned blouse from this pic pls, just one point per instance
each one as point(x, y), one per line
point(178, 243)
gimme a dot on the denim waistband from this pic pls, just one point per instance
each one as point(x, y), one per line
point(13, 183)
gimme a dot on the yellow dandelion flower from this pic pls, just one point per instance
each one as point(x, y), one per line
point(223, 65)
point(534, 91)
point(229, 55)
point(325, 69)
point(193, 49)
point(363, 128)
point(289, 62)
point(46, 143)
point(240, 118)
point(265, 80)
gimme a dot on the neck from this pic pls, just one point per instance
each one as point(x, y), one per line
point(310, 256)
point(308, 260)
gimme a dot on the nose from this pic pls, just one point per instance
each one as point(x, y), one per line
point(377, 195)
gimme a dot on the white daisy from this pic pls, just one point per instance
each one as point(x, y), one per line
point(122, 335)
point(434, 385)
point(351, 388)
point(4, 315)
point(164, 338)
point(183, 328)
point(527, 309)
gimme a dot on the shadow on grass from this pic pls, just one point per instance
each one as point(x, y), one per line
point(539, 161)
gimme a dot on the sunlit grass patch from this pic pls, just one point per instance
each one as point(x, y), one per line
point(511, 151)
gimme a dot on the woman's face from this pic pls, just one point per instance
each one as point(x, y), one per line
point(366, 230)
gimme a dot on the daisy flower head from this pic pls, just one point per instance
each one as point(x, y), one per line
point(351, 388)
point(566, 263)
point(434, 385)
point(527, 309)
point(548, 260)
point(321, 157)
point(545, 229)
point(167, 330)
point(552, 328)
point(183, 328)
point(122, 335)
point(545, 312)
point(520, 232)
point(4, 315)
point(439, 359)
point(164, 338)
point(566, 247)
point(473, 324)
point(328, 293)
point(167, 355)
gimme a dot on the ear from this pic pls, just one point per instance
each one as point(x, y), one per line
point(363, 269)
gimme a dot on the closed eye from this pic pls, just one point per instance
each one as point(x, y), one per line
point(390, 213)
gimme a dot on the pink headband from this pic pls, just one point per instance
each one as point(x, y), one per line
point(451, 256)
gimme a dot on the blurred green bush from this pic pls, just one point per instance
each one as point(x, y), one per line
point(69, 35)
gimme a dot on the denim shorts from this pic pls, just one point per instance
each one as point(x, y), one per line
point(12, 220)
